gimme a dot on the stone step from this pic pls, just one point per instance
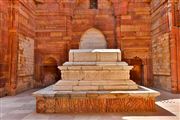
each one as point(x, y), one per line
point(95, 75)
point(95, 88)
point(65, 85)
point(95, 64)
point(88, 83)
point(95, 55)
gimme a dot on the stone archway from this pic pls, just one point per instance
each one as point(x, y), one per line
point(93, 39)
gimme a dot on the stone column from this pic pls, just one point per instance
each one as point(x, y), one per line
point(13, 43)
point(174, 48)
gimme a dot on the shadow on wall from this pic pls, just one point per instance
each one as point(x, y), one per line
point(50, 72)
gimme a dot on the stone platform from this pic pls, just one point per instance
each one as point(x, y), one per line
point(50, 101)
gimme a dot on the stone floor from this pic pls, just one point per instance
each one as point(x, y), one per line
point(22, 107)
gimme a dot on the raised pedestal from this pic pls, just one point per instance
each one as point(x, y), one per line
point(95, 81)
point(95, 70)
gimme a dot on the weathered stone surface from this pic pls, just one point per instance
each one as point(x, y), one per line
point(74, 85)
point(40, 104)
point(85, 88)
point(4, 42)
point(91, 71)
point(95, 55)
point(94, 75)
point(96, 64)
point(63, 87)
point(142, 100)
point(67, 82)
point(98, 41)
point(161, 44)
point(25, 63)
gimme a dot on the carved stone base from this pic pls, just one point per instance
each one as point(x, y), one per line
point(48, 101)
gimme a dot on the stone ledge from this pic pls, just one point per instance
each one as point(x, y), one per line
point(96, 85)
point(95, 82)
point(95, 64)
point(96, 67)
point(142, 91)
point(95, 51)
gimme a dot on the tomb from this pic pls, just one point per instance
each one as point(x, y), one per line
point(95, 80)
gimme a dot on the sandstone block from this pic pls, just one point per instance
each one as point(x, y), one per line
point(63, 88)
point(96, 55)
point(74, 67)
point(91, 67)
point(84, 88)
point(106, 57)
point(121, 87)
point(85, 83)
point(62, 67)
point(71, 56)
point(92, 75)
point(112, 67)
point(128, 67)
point(84, 63)
point(85, 57)
point(101, 83)
point(67, 83)
point(71, 75)
point(133, 87)
point(115, 75)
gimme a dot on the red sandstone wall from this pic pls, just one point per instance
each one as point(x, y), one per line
point(60, 25)
point(165, 44)
point(160, 36)
point(3, 46)
point(21, 45)
point(135, 29)
point(135, 34)
point(52, 38)
point(26, 39)
point(175, 46)
point(102, 19)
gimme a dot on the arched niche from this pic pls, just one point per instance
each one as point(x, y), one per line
point(137, 73)
point(93, 39)
point(50, 71)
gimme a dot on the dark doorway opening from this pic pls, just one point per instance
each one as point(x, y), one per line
point(93, 4)
point(136, 74)
point(50, 72)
